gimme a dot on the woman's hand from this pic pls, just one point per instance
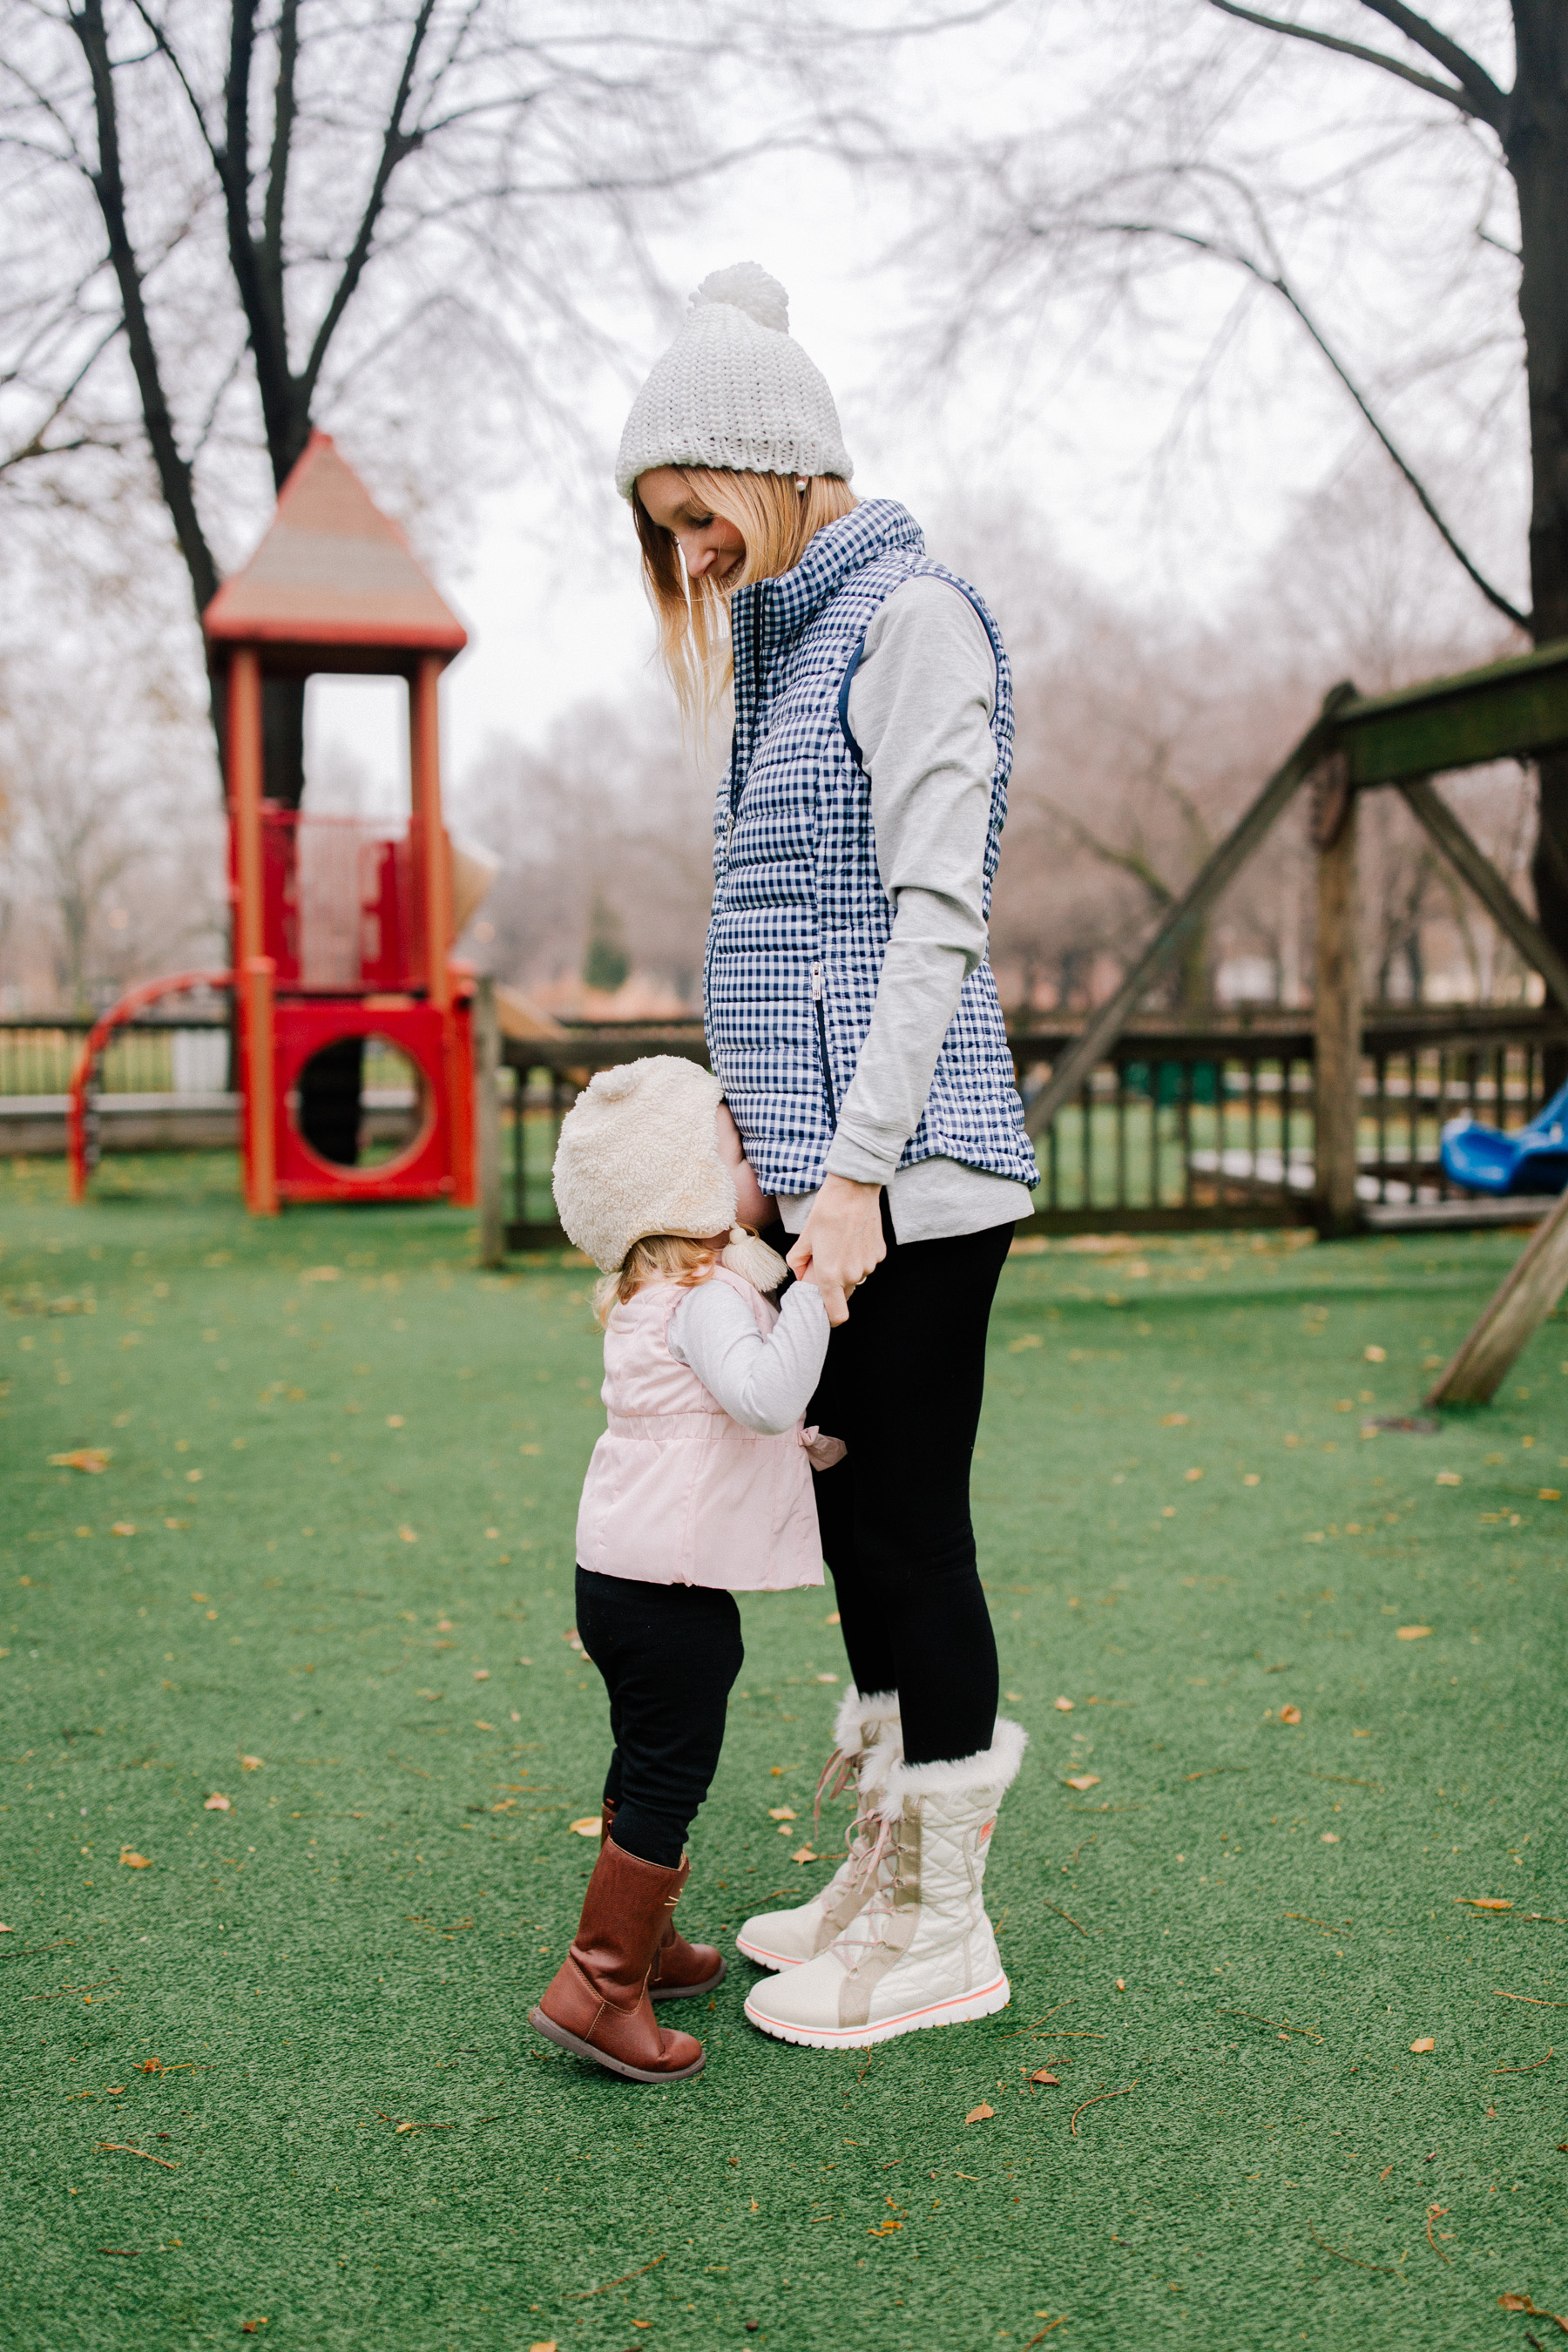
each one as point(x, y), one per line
point(840, 1242)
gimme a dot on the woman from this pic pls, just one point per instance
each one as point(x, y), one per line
point(853, 1020)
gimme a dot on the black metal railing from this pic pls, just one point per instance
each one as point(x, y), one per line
point(1186, 1124)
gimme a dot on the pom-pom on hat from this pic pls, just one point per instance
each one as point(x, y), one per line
point(639, 1154)
point(734, 392)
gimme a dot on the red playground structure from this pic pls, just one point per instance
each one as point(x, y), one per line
point(342, 926)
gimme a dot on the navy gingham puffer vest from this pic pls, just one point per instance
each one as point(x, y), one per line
point(801, 921)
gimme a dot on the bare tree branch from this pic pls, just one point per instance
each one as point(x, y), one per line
point(1464, 68)
point(395, 144)
point(173, 470)
point(1272, 275)
point(1467, 101)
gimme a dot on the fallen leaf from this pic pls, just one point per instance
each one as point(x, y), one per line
point(480, 1726)
point(1449, 1478)
point(1549, 1494)
point(587, 1827)
point(780, 1813)
point(408, 1535)
point(251, 1764)
point(134, 1861)
point(320, 1273)
point(1081, 1781)
point(1411, 1632)
point(216, 1804)
point(1192, 1475)
point(827, 1678)
point(122, 1527)
point(1044, 2075)
point(481, 1674)
point(1029, 1340)
point(543, 2347)
point(1485, 1901)
point(1064, 1706)
point(1174, 1420)
point(979, 2115)
point(90, 1458)
point(1330, 1837)
point(1427, 2042)
point(1290, 1715)
point(395, 1421)
point(1375, 1355)
point(804, 1854)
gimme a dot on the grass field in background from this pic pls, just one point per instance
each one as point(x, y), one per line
point(280, 2077)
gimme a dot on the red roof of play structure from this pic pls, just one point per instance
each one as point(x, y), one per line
point(332, 570)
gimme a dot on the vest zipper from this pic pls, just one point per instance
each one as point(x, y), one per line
point(822, 1040)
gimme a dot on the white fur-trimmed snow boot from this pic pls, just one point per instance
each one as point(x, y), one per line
point(920, 1951)
point(865, 1746)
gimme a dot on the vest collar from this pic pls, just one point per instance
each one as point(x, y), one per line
point(877, 527)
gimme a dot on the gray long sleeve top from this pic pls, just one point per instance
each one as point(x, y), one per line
point(920, 707)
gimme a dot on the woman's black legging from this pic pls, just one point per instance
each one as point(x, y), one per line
point(902, 1387)
point(669, 1655)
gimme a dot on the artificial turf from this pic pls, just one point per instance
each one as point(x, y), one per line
point(351, 1463)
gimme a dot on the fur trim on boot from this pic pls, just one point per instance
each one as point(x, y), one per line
point(920, 1950)
point(866, 1748)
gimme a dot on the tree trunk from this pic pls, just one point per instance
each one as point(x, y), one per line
point(1537, 150)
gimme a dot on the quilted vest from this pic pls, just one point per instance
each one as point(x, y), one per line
point(801, 921)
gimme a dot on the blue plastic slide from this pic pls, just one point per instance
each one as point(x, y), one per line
point(1533, 1158)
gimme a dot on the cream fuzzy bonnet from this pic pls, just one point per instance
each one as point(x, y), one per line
point(734, 392)
point(639, 1154)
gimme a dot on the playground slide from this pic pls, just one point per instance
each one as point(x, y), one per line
point(1533, 1158)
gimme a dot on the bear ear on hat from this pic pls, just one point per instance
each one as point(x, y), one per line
point(615, 1086)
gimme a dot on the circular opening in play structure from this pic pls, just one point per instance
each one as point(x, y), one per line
point(360, 1103)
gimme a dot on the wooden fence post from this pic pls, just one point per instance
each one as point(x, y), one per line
point(1337, 1005)
point(486, 1122)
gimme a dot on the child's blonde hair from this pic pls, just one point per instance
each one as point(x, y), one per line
point(777, 521)
point(657, 1257)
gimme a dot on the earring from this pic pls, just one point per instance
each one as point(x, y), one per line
point(801, 484)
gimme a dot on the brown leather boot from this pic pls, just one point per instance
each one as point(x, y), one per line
point(679, 1968)
point(597, 2006)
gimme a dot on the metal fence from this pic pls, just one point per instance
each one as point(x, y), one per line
point(1184, 1125)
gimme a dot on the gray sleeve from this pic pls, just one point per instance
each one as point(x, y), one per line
point(920, 707)
point(764, 1384)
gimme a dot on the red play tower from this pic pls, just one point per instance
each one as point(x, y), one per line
point(342, 927)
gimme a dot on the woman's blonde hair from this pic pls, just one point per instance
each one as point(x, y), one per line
point(657, 1257)
point(777, 521)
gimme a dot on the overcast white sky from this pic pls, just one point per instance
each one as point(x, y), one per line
point(548, 582)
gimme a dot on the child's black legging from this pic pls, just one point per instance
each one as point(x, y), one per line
point(669, 1655)
point(902, 1387)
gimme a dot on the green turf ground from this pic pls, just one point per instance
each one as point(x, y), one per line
point(352, 1501)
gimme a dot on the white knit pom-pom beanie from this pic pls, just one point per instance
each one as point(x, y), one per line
point(735, 390)
point(639, 1154)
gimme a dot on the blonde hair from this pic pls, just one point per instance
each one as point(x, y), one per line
point(776, 519)
point(657, 1257)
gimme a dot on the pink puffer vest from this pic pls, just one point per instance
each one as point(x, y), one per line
point(677, 1492)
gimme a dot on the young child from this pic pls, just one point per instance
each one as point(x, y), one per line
point(700, 1488)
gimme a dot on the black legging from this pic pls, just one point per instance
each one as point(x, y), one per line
point(668, 1655)
point(902, 1387)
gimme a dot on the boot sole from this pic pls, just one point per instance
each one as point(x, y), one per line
point(689, 1992)
point(961, 2010)
point(754, 1952)
point(558, 2034)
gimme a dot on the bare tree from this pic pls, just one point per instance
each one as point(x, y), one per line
point(229, 220)
point(1185, 153)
